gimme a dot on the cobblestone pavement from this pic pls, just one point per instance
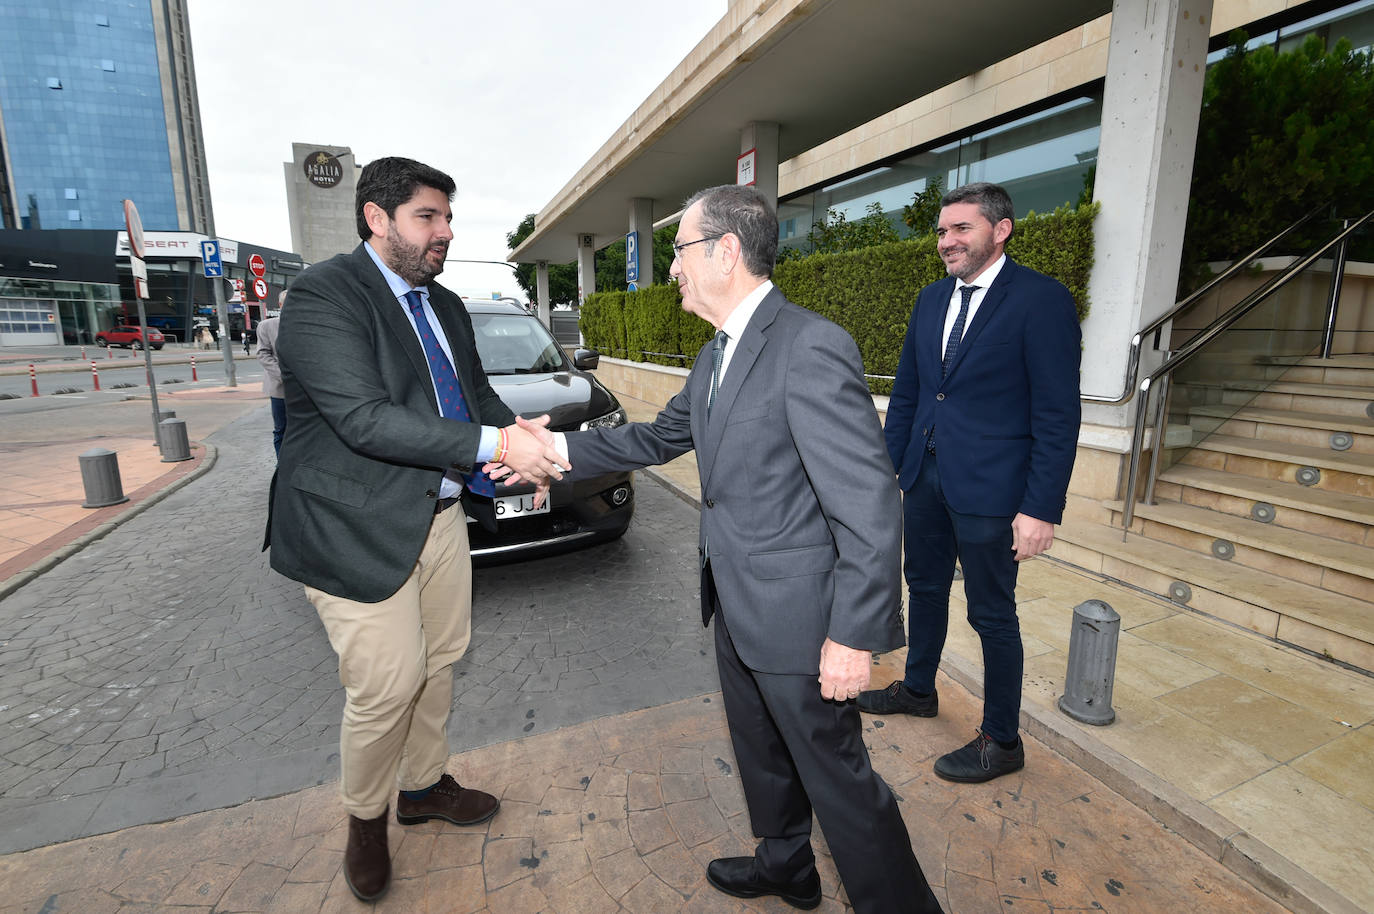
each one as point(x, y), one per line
point(165, 669)
point(622, 813)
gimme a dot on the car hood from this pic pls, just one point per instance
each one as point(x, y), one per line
point(569, 397)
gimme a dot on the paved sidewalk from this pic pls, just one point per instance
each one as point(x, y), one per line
point(1249, 751)
point(622, 814)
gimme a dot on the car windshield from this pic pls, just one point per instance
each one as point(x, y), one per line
point(516, 344)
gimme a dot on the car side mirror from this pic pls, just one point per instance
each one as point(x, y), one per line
point(586, 359)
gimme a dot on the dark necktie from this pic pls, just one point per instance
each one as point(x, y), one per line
point(956, 333)
point(717, 357)
point(452, 404)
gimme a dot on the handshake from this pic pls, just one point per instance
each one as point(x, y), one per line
point(527, 452)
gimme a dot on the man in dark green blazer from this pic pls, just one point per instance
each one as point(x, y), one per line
point(388, 414)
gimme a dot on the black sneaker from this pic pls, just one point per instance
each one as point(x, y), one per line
point(898, 699)
point(981, 760)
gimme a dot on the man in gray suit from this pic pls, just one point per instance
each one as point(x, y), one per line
point(800, 558)
point(389, 414)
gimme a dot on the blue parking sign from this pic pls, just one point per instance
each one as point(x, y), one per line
point(209, 254)
point(632, 258)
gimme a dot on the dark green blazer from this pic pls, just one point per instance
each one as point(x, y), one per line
point(365, 447)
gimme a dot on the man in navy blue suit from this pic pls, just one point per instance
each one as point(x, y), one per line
point(982, 429)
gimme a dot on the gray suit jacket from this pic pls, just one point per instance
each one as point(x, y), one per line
point(267, 355)
point(365, 446)
point(800, 512)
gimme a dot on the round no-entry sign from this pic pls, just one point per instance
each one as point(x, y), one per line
point(260, 289)
point(257, 266)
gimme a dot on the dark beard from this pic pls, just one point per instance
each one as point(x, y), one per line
point(408, 260)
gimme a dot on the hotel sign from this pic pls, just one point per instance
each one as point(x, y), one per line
point(323, 170)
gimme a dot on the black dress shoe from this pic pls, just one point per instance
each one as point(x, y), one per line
point(981, 760)
point(898, 699)
point(367, 861)
point(739, 876)
point(450, 801)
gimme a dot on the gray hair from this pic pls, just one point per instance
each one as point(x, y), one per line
point(740, 210)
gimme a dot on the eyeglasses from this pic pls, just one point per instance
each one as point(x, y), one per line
point(678, 248)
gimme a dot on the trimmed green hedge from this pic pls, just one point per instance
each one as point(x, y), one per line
point(868, 292)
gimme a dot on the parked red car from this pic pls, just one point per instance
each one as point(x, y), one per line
point(130, 336)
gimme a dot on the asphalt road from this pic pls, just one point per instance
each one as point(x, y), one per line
point(166, 670)
point(127, 371)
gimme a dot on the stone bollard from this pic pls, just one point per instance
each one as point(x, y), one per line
point(162, 416)
point(1087, 694)
point(100, 476)
point(175, 443)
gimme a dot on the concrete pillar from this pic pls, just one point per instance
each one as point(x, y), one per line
point(543, 307)
point(642, 224)
point(586, 266)
point(1156, 61)
point(762, 137)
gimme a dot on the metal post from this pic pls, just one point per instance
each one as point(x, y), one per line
point(1137, 443)
point(1091, 670)
point(1333, 302)
point(226, 344)
point(1161, 429)
point(148, 363)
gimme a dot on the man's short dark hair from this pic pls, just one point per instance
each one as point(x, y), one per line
point(391, 181)
point(992, 200)
point(741, 211)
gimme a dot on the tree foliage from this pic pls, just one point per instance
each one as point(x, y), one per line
point(562, 276)
point(836, 234)
point(1279, 134)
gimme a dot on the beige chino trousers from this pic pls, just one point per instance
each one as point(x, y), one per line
point(396, 665)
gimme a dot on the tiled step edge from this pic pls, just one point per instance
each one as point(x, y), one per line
point(1308, 499)
point(1297, 454)
point(1291, 418)
point(1294, 544)
point(1265, 590)
point(1201, 826)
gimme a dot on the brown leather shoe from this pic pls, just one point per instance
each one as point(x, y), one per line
point(449, 801)
point(367, 862)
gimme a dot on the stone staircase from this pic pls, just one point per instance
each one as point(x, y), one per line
point(1268, 521)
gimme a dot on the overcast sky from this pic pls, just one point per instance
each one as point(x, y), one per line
point(510, 98)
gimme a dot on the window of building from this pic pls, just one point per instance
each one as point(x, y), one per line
point(102, 20)
point(107, 65)
point(70, 193)
point(73, 215)
point(54, 82)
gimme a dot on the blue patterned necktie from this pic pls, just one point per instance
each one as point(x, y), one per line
point(717, 357)
point(452, 404)
point(956, 333)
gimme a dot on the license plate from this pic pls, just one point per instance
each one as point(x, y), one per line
point(510, 507)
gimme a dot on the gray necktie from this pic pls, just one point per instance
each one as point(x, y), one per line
point(717, 357)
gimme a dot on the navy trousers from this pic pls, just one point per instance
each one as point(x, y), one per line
point(936, 535)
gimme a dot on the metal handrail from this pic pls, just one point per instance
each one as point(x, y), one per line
point(1155, 326)
point(1195, 345)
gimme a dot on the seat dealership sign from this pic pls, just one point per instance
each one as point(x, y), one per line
point(176, 246)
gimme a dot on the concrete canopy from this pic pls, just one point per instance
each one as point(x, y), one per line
point(817, 68)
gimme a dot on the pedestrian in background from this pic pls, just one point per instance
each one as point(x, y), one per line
point(271, 372)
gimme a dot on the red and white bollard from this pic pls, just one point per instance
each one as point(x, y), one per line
point(33, 379)
point(95, 374)
point(193, 367)
point(109, 352)
point(83, 353)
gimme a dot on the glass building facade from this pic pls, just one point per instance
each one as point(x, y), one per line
point(1043, 155)
point(84, 108)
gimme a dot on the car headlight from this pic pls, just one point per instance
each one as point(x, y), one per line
point(610, 420)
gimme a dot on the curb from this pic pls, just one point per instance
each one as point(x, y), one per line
point(1201, 826)
point(58, 556)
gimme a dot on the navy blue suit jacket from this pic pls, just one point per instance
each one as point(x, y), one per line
point(1006, 416)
